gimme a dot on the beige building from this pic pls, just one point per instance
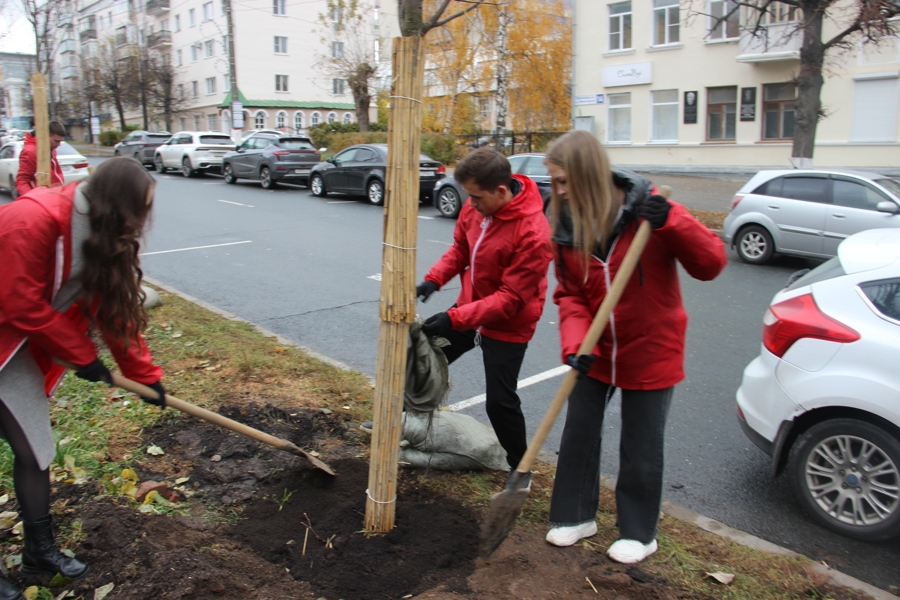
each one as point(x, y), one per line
point(659, 86)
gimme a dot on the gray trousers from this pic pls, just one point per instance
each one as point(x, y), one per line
point(576, 491)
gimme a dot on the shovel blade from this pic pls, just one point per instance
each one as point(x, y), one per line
point(500, 519)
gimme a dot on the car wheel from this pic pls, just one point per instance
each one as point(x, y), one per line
point(754, 245)
point(137, 157)
point(375, 192)
point(160, 167)
point(265, 179)
point(186, 169)
point(116, 152)
point(13, 191)
point(845, 473)
point(317, 185)
point(228, 174)
point(448, 202)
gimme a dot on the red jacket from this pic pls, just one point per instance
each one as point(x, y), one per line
point(502, 262)
point(26, 178)
point(642, 347)
point(35, 243)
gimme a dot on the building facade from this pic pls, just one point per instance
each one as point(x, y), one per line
point(16, 109)
point(666, 83)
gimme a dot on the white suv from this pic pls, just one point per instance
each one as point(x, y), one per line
point(192, 152)
point(823, 397)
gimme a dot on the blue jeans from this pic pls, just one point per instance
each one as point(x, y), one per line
point(576, 491)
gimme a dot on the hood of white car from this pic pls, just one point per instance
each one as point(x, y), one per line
point(871, 249)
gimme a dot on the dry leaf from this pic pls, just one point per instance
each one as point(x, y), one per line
point(215, 458)
point(181, 480)
point(724, 578)
point(155, 450)
point(129, 475)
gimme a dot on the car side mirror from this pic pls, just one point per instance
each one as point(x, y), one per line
point(886, 206)
point(323, 149)
point(330, 159)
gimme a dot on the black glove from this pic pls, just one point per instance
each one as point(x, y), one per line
point(96, 371)
point(582, 363)
point(158, 388)
point(439, 324)
point(425, 289)
point(656, 210)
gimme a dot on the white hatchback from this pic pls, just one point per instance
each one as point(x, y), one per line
point(823, 396)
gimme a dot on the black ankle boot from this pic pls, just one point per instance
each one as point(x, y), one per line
point(9, 592)
point(42, 556)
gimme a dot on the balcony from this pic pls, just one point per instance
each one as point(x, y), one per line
point(157, 7)
point(775, 42)
point(87, 34)
point(67, 46)
point(121, 39)
point(65, 19)
point(68, 72)
point(159, 39)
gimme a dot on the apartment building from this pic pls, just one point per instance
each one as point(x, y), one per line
point(662, 82)
point(16, 108)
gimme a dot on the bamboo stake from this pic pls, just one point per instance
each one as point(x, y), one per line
point(398, 272)
point(41, 128)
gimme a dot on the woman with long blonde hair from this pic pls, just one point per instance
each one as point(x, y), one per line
point(595, 211)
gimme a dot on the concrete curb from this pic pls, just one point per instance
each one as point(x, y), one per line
point(679, 512)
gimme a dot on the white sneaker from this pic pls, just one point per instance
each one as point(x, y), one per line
point(631, 551)
point(566, 536)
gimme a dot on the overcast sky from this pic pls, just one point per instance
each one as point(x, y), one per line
point(19, 36)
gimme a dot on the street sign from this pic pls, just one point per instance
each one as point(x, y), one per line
point(237, 114)
point(95, 125)
point(582, 100)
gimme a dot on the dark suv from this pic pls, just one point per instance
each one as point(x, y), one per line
point(271, 158)
point(141, 144)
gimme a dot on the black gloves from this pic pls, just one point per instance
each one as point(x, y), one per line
point(439, 324)
point(158, 388)
point(581, 363)
point(425, 289)
point(96, 371)
point(656, 210)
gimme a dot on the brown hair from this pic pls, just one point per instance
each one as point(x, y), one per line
point(57, 128)
point(590, 190)
point(485, 167)
point(117, 193)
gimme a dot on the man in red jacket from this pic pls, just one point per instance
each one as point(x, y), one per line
point(26, 179)
point(501, 251)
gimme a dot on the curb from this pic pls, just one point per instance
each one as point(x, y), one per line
point(679, 512)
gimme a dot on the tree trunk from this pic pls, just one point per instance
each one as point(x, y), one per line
point(359, 87)
point(120, 108)
point(503, 19)
point(410, 17)
point(809, 86)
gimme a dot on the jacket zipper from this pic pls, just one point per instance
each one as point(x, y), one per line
point(485, 223)
point(60, 266)
point(612, 315)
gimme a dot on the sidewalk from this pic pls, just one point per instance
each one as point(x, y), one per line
point(92, 149)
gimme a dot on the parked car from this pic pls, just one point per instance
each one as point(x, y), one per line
point(271, 158)
point(808, 212)
point(141, 145)
point(12, 135)
point(449, 195)
point(360, 170)
point(193, 152)
point(72, 163)
point(248, 132)
point(823, 397)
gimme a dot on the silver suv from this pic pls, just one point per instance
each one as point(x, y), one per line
point(808, 212)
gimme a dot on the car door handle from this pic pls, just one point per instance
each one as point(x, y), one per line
point(774, 207)
point(838, 216)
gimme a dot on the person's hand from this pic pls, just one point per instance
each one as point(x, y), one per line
point(439, 324)
point(425, 289)
point(581, 363)
point(159, 389)
point(95, 371)
point(656, 210)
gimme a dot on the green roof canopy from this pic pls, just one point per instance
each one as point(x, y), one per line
point(226, 103)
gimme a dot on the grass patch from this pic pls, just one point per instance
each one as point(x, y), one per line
point(710, 218)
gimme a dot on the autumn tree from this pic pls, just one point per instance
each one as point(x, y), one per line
point(166, 98)
point(112, 70)
point(825, 28)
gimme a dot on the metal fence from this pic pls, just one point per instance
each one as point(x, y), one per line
point(512, 143)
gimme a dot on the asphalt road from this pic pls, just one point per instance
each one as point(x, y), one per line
point(308, 268)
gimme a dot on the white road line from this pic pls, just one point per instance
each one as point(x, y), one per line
point(342, 202)
point(197, 248)
point(426, 218)
point(523, 383)
point(237, 203)
point(440, 242)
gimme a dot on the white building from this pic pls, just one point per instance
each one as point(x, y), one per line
point(659, 86)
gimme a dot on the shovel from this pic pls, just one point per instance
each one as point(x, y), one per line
point(215, 418)
point(506, 506)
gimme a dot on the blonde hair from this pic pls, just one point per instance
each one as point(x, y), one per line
point(591, 199)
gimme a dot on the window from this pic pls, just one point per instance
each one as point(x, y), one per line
point(195, 89)
point(281, 120)
point(348, 118)
point(778, 111)
point(225, 45)
point(183, 123)
point(811, 189)
point(884, 296)
point(727, 27)
point(874, 110)
point(665, 115)
point(177, 22)
point(178, 58)
point(337, 87)
point(721, 113)
point(259, 120)
point(222, 7)
point(484, 109)
point(210, 85)
point(196, 126)
point(281, 83)
point(620, 26)
point(226, 83)
point(207, 11)
point(279, 8)
point(181, 94)
point(195, 52)
point(208, 48)
point(854, 194)
point(299, 117)
point(779, 13)
point(337, 49)
point(665, 22)
point(280, 44)
point(332, 117)
point(315, 119)
point(192, 18)
point(212, 122)
point(619, 118)
point(337, 15)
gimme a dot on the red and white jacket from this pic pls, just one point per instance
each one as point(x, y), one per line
point(26, 178)
point(502, 263)
point(35, 243)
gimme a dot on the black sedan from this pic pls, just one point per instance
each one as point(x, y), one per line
point(270, 158)
point(360, 170)
point(449, 195)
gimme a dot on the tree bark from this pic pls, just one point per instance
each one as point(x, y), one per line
point(359, 87)
point(503, 19)
point(809, 82)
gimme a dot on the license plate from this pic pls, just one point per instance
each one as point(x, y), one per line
point(301, 171)
point(423, 173)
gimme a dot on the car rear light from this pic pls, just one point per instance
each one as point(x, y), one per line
point(282, 153)
point(81, 165)
point(786, 322)
point(441, 169)
point(736, 201)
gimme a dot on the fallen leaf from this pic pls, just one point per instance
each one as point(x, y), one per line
point(181, 480)
point(101, 592)
point(155, 450)
point(149, 497)
point(69, 462)
point(13, 560)
point(129, 475)
point(215, 458)
point(724, 578)
point(31, 592)
point(4, 498)
point(177, 334)
point(59, 580)
point(279, 349)
point(129, 489)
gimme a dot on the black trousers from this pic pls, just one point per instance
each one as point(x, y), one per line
point(576, 491)
point(502, 362)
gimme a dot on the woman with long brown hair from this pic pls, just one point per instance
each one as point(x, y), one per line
point(595, 212)
point(70, 266)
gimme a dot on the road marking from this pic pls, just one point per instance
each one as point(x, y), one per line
point(376, 277)
point(426, 218)
point(237, 203)
point(197, 248)
point(342, 202)
point(442, 243)
point(523, 383)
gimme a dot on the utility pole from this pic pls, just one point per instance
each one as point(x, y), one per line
point(237, 108)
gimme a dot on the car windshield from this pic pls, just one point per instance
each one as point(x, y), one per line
point(216, 139)
point(161, 137)
point(296, 144)
point(892, 185)
point(827, 270)
point(65, 149)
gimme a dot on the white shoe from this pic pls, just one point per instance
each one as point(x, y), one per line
point(566, 536)
point(631, 551)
